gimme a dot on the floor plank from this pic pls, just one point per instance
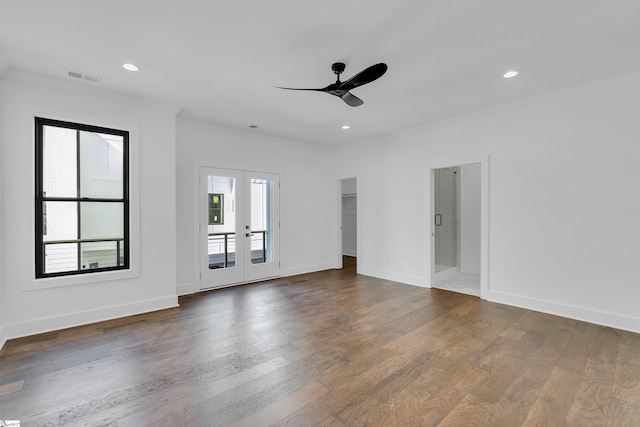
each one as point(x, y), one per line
point(331, 348)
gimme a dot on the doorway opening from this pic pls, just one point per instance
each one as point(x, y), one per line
point(349, 223)
point(456, 225)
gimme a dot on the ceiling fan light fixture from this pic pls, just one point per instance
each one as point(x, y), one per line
point(509, 74)
point(130, 67)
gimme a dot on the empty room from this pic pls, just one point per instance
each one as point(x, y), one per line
point(360, 213)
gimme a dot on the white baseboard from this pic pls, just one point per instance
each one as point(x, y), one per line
point(603, 318)
point(393, 276)
point(3, 337)
point(294, 271)
point(186, 289)
point(39, 326)
point(349, 252)
point(191, 288)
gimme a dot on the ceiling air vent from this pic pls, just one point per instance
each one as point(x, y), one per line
point(81, 76)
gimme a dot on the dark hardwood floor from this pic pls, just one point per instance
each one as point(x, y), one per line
point(326, 349)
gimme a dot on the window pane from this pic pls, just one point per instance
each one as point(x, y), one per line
point(261, 221)
point(101, 165)
point(221, 232)
point(60, 257)
point(100, 220)
point(122, 256)
point(60, 221)
point(59, 162)
point(99, 254)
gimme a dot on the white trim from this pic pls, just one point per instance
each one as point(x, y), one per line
point(304, 269)
point(197, 277)
point(27, 136)
point(3, 337)
point(407, 279)
point(340, 250)
point(186, 289)
point(39, 326)
point(4, 67)
point(337, 263)
point(572, 312)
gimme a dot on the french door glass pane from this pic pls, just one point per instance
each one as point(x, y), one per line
point(101, 165)
point(59, 162)
point(261, 221)
point(221, 227)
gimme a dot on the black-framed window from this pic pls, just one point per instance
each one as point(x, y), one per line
point(81, 198)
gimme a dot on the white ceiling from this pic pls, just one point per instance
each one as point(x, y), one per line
point(220, 61)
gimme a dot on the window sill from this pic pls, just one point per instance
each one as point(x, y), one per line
point(80, 279)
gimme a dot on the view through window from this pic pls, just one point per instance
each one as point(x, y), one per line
point(82, 201)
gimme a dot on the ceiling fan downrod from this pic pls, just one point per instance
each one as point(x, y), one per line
point(338, 68)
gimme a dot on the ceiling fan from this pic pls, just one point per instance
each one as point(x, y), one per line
point(341, 89)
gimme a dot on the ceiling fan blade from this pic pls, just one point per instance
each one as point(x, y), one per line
point(297, 88)
point(365, 76)
point(352, 100)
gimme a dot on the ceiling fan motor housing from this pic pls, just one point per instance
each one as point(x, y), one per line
point(338, 67)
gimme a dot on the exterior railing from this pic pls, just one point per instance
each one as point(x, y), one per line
point(65, 259)
point(224, 244)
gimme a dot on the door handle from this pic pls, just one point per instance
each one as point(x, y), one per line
point(438, 220)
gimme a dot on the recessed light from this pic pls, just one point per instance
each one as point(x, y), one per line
point(510, 74)
point(130, 67)
point(253, 126)
point(345, 127)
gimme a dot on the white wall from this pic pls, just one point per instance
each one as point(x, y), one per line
point(470, 218)
point(37, 310)
point(3, 337)
point(563, 200)
point(307, 192)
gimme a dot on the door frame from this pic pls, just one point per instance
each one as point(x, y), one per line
point(198, 281)
point(338, 260)
point(484, 215)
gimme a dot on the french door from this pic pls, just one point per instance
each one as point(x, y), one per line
point(239, 227)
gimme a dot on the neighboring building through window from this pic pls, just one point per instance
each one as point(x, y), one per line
point(216, 209)
point(82, 198)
